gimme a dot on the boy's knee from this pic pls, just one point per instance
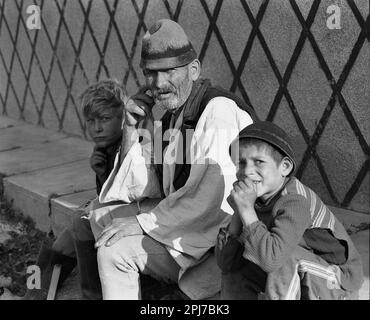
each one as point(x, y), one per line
point(64, 243)
point(81, 229)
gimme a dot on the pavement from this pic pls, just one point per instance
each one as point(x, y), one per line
point(46, 175)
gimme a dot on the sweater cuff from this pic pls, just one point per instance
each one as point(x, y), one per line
point(248, 231)
point(225, 234)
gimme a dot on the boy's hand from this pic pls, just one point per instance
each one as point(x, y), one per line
point(242, 199)
point(98, 162)
point(119, 228)
point(138, 107)
point(243, 195)
point(235, 226)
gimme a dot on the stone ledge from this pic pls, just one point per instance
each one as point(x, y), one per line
point(350, 218)
point(31, 192)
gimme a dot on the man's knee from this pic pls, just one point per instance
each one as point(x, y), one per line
point(107, 256)
point(121, 254)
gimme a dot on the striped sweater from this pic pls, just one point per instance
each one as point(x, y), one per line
point(297, 216)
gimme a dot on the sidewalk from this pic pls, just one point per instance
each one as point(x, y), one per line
point(47, 176)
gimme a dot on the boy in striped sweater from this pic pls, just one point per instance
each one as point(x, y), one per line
point(282, 240)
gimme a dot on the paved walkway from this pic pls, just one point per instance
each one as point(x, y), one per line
point(47, 176)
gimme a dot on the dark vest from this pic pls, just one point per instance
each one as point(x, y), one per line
point(191, 116)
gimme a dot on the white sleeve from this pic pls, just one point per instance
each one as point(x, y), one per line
point(188, 220)
point(133, 180)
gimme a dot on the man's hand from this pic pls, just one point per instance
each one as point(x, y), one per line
point(242, 199)
point(98, 162)
point(138, 107)
point(119, 228)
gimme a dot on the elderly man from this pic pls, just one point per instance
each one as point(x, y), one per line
point(173, 208)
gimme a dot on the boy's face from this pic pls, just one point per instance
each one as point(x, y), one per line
point(256, 163)
point(104, 127)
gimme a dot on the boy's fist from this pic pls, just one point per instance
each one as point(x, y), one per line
point(242, 199)
point(98, 162)
point(244, 193)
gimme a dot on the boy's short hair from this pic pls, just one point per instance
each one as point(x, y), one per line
point(102, 95)
point(269, 134)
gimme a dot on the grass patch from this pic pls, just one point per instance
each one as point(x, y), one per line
point(21, 250)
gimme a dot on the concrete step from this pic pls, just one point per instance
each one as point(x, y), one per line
point(38, 165)
point(354, 222)
point(44, 155)
point(351, 220)
point(31, 192)
point(18, 135)
point(361, 241)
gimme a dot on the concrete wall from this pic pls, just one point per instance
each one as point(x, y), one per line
point(56, 106)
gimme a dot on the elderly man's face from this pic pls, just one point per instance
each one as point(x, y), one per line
point(170, 87)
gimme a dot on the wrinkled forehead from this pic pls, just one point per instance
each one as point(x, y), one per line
point(166, 68)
